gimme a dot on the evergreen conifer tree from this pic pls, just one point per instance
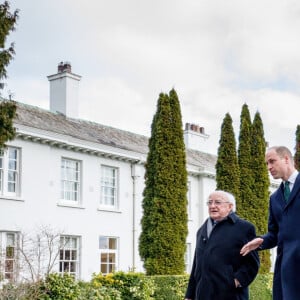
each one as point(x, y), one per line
point(244, 204)
point(7, 115)
point(261, 183)
point(164, 221)
point(253, 180)
point(7, 24)
point(7, 108)
point(227, 169)
point(297, 149)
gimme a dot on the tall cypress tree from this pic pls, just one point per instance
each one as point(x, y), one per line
point(149, 204)
point(7, 24)
point(8, 21)
point(164, 221)
point(244, 205)
point(176, 210)
point(261, 183)
point(297, 149)
point(7, 115)
point(227, 169)
point(253, 179)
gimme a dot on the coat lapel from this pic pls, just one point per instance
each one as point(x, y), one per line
point(295, 190)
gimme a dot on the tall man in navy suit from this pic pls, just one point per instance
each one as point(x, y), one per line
point(283, 225)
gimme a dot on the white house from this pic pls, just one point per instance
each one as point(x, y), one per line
point(84, 181)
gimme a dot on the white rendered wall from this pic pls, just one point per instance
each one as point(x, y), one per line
point(39, 204)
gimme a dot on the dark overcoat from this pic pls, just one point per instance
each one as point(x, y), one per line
point(284, 232)
point(217, 261)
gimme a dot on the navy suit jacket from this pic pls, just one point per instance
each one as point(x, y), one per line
point(284, 232)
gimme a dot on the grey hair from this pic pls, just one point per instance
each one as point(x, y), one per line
point(230, 198)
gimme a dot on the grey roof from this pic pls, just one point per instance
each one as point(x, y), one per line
point(42, 119)
point(204, 160)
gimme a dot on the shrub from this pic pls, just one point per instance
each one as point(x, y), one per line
point(60, 287)
point(170, 287)
point(21, 291)
point(261, 287)
point(117, 286)
point(91, 292)
point(133, 286)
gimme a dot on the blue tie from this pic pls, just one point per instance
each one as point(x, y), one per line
point(287, 190)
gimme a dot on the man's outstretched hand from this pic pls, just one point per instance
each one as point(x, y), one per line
point(252, 245)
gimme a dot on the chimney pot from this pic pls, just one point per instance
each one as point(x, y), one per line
point(64, 67)
point(60, 67)
point(195, 137)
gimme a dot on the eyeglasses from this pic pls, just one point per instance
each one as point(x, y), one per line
point(216, 202)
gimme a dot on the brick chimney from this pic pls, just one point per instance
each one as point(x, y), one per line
point(195, 137)
point(64, 88)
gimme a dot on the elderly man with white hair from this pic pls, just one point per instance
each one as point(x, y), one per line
point(219, 271)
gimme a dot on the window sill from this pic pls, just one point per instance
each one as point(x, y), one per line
point(109, 209)
point(11, 198)
point(69, 204)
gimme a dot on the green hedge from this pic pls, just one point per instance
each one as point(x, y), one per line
point(170, 287)
point(174, 287)
point(118, 286)
point(261, 287)
point(131, 285)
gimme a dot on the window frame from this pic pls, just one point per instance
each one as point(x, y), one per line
point(189, 199)
point(105, 186)
point(108, 266)
point(76, 179)
point(6, 179)
point(6, 262)
point(68, 262)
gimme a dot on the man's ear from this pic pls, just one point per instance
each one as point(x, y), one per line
point(286, 158)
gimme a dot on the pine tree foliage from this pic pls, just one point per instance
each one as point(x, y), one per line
point(253, 199)
point(260, 188)
point(227, 169)
point(164, 221)
point(7, 24)
point(7, 115)
point(297, 149)
point(7, 108)
point(244, 204)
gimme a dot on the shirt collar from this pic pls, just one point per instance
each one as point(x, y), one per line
point(293, 177)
